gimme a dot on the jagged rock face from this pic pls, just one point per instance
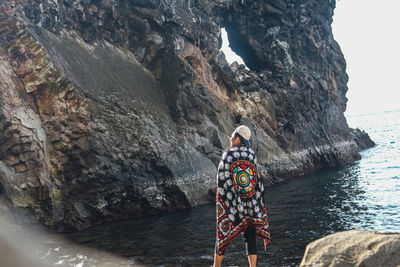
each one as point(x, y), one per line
point(117, 109)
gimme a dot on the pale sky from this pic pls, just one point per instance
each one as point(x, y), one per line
point(229, 54)
point(368, 33)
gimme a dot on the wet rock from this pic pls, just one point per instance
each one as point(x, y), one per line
point(354, 248)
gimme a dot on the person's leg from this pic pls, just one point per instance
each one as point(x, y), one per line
point(252, 260)
point(251, 245)
point(218, 258)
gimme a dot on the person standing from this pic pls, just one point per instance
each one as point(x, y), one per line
point(240, 207)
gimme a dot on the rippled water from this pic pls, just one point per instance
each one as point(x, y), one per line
point(362, 195)
point(378, 173)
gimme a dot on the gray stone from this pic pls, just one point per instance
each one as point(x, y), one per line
point(354, 248)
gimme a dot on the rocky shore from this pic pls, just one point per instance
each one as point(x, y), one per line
point(354, 248)
point(118, 109)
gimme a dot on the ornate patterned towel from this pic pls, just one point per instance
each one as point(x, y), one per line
point(240, 197)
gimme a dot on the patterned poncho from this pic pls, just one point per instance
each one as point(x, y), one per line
point(240, 197)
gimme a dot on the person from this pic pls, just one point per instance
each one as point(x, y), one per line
point(240, 208)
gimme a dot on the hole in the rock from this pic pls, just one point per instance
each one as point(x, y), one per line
point(236, 48)
point(226, 48)
point(238, 118)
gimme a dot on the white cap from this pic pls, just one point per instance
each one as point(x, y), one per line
point(244, 132)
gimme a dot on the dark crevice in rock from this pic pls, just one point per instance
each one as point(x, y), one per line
point(176, 199)
point(2, 189)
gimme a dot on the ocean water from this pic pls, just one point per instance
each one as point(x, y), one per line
point(361, 195)
point(378, 171)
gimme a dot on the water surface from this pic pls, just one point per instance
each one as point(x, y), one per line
point(362, 195)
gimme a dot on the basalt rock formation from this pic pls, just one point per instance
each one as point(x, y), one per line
point(112, 109)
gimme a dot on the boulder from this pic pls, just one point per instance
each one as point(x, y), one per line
point(354, 248)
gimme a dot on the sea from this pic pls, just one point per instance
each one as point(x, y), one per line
point(362, 195)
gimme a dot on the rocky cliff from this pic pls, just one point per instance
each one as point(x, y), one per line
point(112, 109)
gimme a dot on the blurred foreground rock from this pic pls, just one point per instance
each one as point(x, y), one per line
point(354, 248)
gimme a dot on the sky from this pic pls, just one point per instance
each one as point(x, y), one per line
point(229, 54)
point(368, 33)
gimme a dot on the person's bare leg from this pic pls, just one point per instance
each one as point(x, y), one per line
point(252, 260)
point(217, 260)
